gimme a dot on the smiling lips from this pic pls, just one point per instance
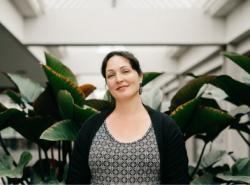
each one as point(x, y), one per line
point(120, 87)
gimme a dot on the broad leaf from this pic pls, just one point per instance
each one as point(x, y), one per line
point(65, 104)
point(9, 116)
point(97, 104)
point(238, 92)
point(59, 82)
point(80, 114)
point(149, 76)
point(211, 158)
point(241, 167)
point(207, 178)
point(46, 104)
point(189, 91)
point(184, 113)
point(14, 172)
point(29, 90)
point(32, 127)
point(62, 130)
point(209, 122)
point(59, 67)
point(240, 60)
point(237, 179)
point(87, 89)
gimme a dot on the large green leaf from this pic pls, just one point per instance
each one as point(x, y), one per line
point(7, 168)
point(32, 127)
point(80, 114)
point(206, 178)
point(236, 179)
point(189, 91)
point(240, 60)
point(241, 167)
point(238, 92)
point(184, 113)
point(59, 67)
point(2, 107)
point(59, 82)
point(62, 130)
point(209, 122)
point(149, 76)
point(97, 104)
point(46, 104)
point(29, 89)
point(9, 116)
point(87, 89)
point(211, 158)
point(65, 104)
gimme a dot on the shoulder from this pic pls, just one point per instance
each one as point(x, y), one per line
point(164, 122)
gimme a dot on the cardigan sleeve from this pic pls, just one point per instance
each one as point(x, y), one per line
point(79, 172)
point(176, 161)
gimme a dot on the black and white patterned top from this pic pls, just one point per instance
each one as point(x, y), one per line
point(113, 162)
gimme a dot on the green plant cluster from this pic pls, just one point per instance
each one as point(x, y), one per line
point(51, 116)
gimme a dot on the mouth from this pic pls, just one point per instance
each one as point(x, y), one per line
point(121, 87)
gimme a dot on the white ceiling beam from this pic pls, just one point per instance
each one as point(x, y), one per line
point(220, 8)
point(28, 8)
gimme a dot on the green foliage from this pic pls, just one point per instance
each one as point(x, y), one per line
point(8, 169)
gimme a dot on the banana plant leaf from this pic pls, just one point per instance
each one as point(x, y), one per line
point(46, 104)
point(87, 89)
point(183, 114)
point(29, 89)
point(80, 114)
point(209, 122)
point(9, 116)
point(62, 130)
point(238, 92)
point(149, 76)
point(32, 127)
point(97, 104)
point(206, 178)
point(59, 82)
point(59, 67)
point(211, 158)
point(239, 179)
point(15, 97)
point(2, 108)
point(240, 60)
point(189, 91)
point(65, 104)
point(7, 168)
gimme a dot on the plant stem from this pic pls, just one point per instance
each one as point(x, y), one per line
point(247, 142)
point(199, 161)
point(3, 181)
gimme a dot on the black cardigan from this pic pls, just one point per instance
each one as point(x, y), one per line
point(173, 155)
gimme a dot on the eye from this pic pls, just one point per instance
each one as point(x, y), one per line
point(110, 75)
point(126, 71)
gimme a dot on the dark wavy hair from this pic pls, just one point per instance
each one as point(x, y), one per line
point(134, 62)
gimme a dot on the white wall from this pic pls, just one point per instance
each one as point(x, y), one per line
point(11, 19)
point(125, 26)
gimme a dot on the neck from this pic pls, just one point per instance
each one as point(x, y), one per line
point(131, 106)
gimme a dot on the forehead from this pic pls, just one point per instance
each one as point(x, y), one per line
point(117, 62)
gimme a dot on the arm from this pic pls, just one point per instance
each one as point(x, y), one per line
point(79, 172)
point(176, 156)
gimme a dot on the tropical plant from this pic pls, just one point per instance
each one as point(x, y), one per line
point(49, 116)
point(197, 109)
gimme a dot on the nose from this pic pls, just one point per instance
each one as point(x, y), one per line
point(119, 78)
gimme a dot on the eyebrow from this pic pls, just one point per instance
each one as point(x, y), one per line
point(120, 68)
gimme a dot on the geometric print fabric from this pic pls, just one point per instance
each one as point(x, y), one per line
point(113, 162)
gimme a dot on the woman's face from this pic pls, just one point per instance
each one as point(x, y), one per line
point(122, 80)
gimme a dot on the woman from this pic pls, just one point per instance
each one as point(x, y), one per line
point(129, 143)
